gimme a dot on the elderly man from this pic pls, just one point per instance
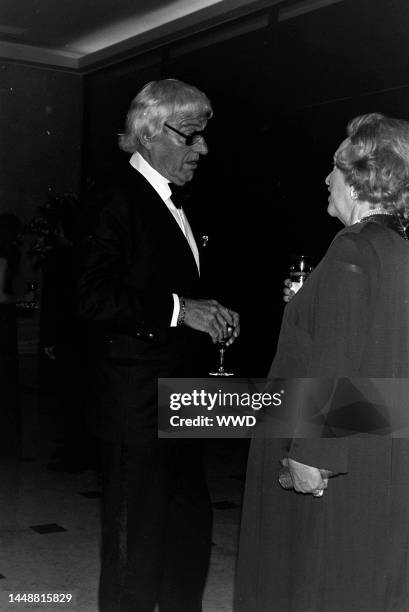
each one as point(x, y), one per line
point(140, 290)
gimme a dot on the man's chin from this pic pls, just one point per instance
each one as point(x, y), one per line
point(183, 177)
point(187, 176)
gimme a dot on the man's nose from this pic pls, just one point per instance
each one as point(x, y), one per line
point(201, 146)
point(328, 178)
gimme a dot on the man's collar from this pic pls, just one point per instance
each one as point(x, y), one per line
point(158, 182)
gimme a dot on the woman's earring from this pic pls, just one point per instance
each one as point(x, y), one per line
point(354, 194)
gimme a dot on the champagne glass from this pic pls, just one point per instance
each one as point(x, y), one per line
point(222, 349)
point(301, 267)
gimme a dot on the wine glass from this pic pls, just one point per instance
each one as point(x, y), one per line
point(222, 349)
point(301, 266)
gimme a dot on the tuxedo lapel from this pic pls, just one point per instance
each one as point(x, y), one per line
point(159, 219)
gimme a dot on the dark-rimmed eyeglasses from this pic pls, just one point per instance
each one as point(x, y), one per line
point(190, 139)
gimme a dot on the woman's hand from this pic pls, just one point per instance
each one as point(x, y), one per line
point(288, 292)
point(306, 479)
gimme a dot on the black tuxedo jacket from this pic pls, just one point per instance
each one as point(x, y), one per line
point(129, 267)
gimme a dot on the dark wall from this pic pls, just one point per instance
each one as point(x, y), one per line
point(41, 141)
point(108, 94)
point(282, 97)
point(40, 133)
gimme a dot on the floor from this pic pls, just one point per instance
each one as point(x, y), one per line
point(50, 524)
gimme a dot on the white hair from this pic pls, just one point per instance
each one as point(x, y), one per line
point(156, 103)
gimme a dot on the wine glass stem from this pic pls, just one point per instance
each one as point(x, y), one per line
point(222, 349)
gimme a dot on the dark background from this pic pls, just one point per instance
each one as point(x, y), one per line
point(282, 91)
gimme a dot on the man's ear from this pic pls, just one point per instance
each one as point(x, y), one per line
point(146, 140)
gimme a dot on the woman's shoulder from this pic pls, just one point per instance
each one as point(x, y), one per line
point(354, 249)
point(352, 238)
point(358, 231)
point(369, 233)
point(366, 245)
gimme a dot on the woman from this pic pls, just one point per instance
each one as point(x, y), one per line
point(10, 227)
point(340, 544)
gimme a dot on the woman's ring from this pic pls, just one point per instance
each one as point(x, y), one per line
point(318, 493)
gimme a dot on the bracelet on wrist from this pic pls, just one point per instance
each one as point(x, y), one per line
point(182, 311)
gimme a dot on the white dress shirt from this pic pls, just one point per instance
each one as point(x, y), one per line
point(161, 186)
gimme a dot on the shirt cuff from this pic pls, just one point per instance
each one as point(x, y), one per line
point(176, 310)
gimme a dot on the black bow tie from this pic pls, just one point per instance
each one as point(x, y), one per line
point(179, 195)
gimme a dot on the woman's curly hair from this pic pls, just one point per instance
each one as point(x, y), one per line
point(375, 161)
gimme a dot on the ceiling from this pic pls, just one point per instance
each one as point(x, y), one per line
point(79, 34)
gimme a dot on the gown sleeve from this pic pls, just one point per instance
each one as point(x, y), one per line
point(339, 324)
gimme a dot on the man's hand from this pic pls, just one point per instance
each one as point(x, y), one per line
point(214, 319)
point(306, 479)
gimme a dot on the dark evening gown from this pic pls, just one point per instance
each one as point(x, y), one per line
point(346, 551)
